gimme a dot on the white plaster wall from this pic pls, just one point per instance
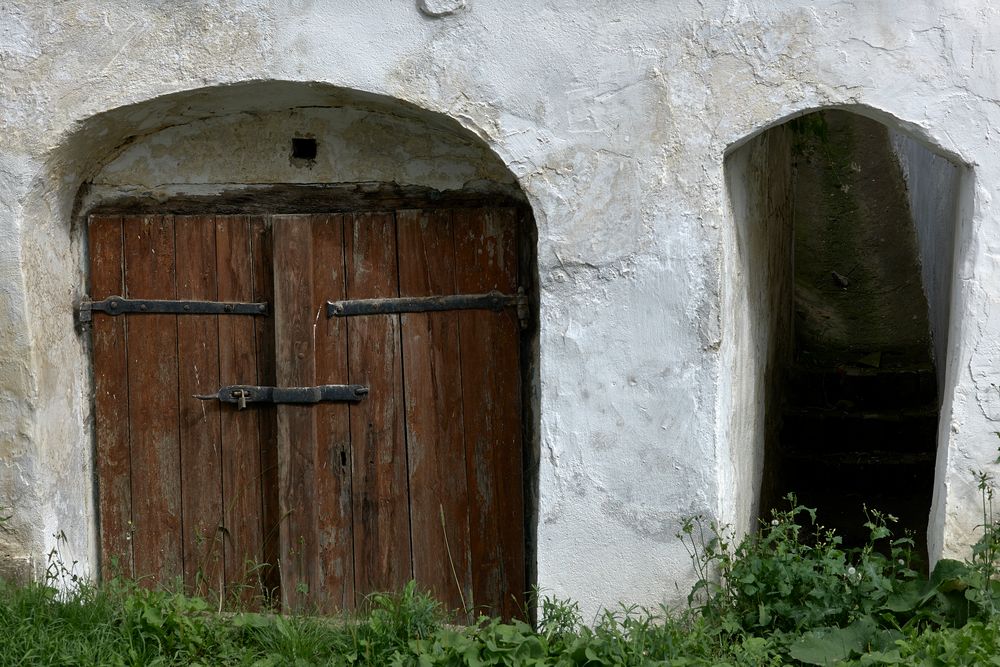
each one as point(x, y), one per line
point(932, 187)
point(940, 200)
point(354, 145)
point(614, 118)
point(757, 347)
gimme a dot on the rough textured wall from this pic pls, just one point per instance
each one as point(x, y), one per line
point(932, 186)
point(757, 315)
point(613, 117)
point(353, 145)
point(940, 197)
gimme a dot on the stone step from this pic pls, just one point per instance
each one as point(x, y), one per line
point(861, 388)
point(828, 430)
point(840, 489)
point(885, 459)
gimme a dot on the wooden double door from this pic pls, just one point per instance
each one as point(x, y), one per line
point(421, 478)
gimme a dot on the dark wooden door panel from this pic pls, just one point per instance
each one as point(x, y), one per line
point(435, 433)
point(381, 510)
point(295, 366)
point(262, 269)
point(243, 482)
point(422, 479)
point(151, 343)
point(486, 257)
point(199, 428)
point(179, 480)
point(113, 464)
point(333, 491)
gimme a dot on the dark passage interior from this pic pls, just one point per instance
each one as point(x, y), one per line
point(860, 414)
point(844, 244)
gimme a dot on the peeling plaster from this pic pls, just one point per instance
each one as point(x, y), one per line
point(439, 8)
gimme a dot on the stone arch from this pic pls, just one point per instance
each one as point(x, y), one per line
point(137, 154)
point(760, 279)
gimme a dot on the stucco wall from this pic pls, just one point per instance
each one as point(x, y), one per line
point(932, 187)
point(758, 315)
point(354, 145)
point(614, 118)
point(940, 203)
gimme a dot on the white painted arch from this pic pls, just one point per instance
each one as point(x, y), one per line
point(200, 142)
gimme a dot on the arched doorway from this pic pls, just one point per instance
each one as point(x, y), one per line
point(845, 237)
point(352, 444)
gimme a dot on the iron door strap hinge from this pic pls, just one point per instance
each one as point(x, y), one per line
point(246, 394)
point(116, 305)
point(494, 301)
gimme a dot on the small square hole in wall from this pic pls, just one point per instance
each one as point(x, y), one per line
point(303, 148)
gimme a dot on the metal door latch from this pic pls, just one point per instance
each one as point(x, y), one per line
point(245, 394)
point(116, 305)
point(494, 301)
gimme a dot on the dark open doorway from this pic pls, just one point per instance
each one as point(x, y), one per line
point(845, 277)
point(860, 415)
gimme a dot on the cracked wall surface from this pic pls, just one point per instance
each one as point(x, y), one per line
point(614, 119)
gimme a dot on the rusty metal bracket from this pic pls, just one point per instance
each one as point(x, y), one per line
point(246, 394)
point(116, 305)
point(494, 301)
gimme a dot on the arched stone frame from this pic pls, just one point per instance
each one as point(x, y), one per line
point(746, 410)
point(55, 266)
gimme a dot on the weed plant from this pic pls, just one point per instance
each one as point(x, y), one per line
point(790, 594)
point(794, 575)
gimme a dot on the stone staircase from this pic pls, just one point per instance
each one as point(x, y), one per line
point(853, 436)
point(859, 410)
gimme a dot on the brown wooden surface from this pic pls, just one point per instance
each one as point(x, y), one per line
point(241, 474)
point(333, 437)
point(113, 462)
point(153, 410)
point(198, 373)
point(486, 259)
point(353, 499)
point(295, 366)
point(435, 438)
point(381, 513)
point(262, 254)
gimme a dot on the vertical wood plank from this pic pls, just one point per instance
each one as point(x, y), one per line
point(486, 259)
point(333, 463)
point(381, 513)
point(262, 263)
point(435, 438)
point(294, 315)
point(111, 400)
point(240, 433)
point(153, 409)
point(198, 373)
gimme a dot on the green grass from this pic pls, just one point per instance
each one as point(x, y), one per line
point(789, 595)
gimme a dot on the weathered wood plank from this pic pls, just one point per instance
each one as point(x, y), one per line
point(198, 373)
point(486, 259)
point(295, 366)
point(333, 436)
point(241, 476)
point(111, 400)
point(262, 256)
point(435, 438)
point(153, 409)
point(381, 514)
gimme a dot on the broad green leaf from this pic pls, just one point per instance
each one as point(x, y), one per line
point(949, 575)
point(827, 646)
point(907, 597)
